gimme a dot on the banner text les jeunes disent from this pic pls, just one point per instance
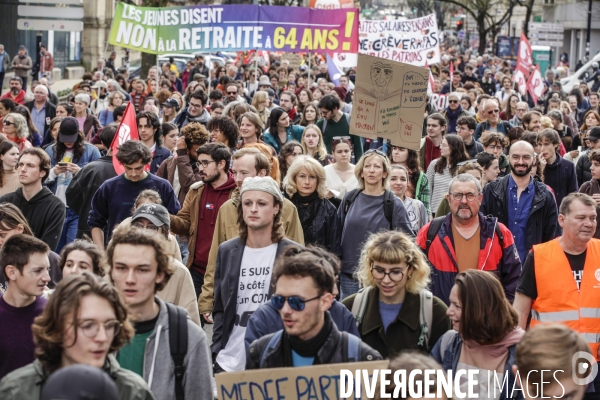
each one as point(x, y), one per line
point(195, 29)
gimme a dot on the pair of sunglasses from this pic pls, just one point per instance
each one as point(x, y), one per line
point(296, 303)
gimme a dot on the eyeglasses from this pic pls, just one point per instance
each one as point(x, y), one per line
point(459, 196)
point(516, 157)
point(232, 92)
point(376, 151)
point(149, 227)
point(205, 163)
point(453, 101)
point(192, 105)
point(521, 109)
point(91, 328)
point(493, 112)
point(8, 123)
point(296, 303)
point(379, 274)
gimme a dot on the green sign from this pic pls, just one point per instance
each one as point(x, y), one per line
point(537, 18)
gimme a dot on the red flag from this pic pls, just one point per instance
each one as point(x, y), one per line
point(525, 59)
point(451, 75)
point(535, 84)
point(521, 81)
point(127, 131)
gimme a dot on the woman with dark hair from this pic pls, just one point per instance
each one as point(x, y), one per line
point(88, 123)
point(443, 169)
point(170, 134)
point(305, 186)
point(467, 104)
point(65, 109)
point(340, 174)
point(311, 115)
point(113, 100)
point(399, 182)
point(52, 132)
point(485, 334)
point(6, 107)
point(289, 152)
point(280, 129)
point(9, 177)
point(79, 257)
point(489, 163)
point(305, 98)
point(224, 130)
point(67, 157)
point(418, 187)
point(510, 110)
point(34, 137)
point(122, 82)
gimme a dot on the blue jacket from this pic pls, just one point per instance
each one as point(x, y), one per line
point(503, 127)
point(294, 132)
point(266, 319)
point(160, 155)
point(542, 224)
point(91, 153)
point(452, 355)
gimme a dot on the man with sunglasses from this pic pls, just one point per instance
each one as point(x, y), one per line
point(244, 268)
point(195, 111)
point(468, 239)
point(199, 213)
point(138, 266)
point(527, 207)
point(303, 283)
point(493, 123)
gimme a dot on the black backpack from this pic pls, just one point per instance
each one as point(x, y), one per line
point(178, 343)
point(388, 204)
point(436, 224)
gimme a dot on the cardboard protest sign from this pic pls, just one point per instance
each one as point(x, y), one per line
point(390, 99)
point(194, 29)
point(295, 59)
point(414, 41)
point(318, 382)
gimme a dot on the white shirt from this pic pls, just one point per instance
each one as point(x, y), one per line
point(253, 291)
point(335, 183)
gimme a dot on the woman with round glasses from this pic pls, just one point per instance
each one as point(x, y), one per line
point(394, 272)
point(84, 321)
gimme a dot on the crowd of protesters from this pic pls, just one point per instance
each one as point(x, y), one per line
point(247, 203)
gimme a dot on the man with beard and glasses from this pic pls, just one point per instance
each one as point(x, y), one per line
point(523, 204)
point(468, 239)
point(198, 215)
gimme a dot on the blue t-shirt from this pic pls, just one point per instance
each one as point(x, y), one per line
point(518, 214)
point(388, 313)
point(300, 361)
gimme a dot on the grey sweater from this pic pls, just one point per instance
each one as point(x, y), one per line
point(159, 369)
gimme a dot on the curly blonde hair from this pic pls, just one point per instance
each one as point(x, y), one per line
point(313, 167)
point(393, 247)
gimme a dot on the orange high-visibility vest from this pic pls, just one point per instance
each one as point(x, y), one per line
point(558, 299)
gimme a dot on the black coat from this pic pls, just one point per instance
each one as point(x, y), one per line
point(50, 113)
point(332, 351)
point(584, 174)
point(542, 224)
point(403, 333)
point(83, 186)
point(226, 284)
point(322, 229)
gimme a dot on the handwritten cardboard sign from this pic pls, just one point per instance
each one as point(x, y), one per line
point(295, 59)
point(317, 382)
point(390, 99)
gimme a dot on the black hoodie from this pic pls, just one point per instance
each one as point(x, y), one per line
point(45, 213)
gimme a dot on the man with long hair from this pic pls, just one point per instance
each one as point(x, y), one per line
point(244, 268)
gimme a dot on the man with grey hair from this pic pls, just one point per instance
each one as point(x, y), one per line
point(113, 86)
point(52, 98)
point(467, 239)
point(42, 111)
point(4, 63)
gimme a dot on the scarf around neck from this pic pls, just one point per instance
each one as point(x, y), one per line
point(308, 348)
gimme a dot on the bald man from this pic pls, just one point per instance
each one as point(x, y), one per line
point(42, 111)
point(525, 205)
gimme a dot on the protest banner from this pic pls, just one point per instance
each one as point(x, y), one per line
point(317, 382)
point(194, 29)
point(330, 4)
point(439, 102)
point(295, 59)
point(414, 41)
point(390, 99)
point(525, 59)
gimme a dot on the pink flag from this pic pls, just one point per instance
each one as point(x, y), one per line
point(521, 81)
point(535, 84)
point(127, 131)
point(431, 81)
point(451, 75)
point(525, 59)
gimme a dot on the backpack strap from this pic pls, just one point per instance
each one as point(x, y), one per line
point(360, 304)
point(388, 207)
point(352, 347)
point(432, 231)
point(352, 195)
point(425, 318)
point(446, 339)
point(273, 342)
point(178, 344)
